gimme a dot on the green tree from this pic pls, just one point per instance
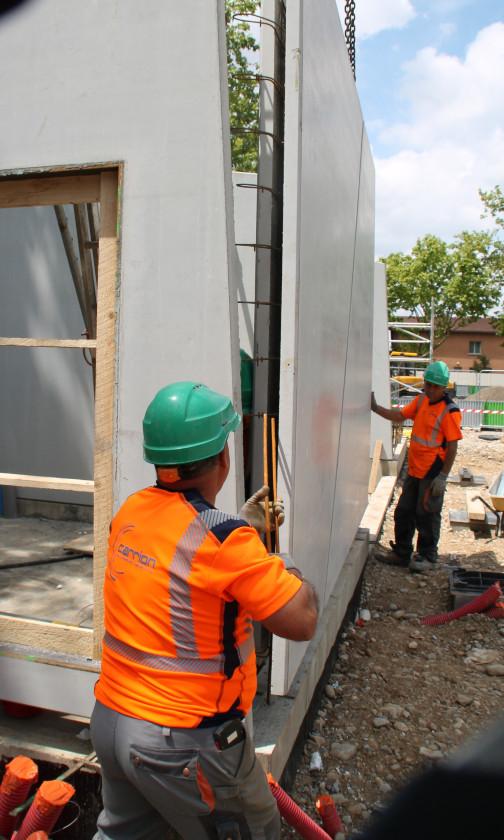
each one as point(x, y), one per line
point(461, 278)
point(494, 208)
point(243, 85)
point(483, 363)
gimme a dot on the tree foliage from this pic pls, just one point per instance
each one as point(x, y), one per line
point(463, 279)
point(494, 208)
point(243, 86)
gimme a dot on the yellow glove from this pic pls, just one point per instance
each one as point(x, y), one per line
point(253, 511)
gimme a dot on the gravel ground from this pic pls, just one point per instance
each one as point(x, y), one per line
point(404, 695)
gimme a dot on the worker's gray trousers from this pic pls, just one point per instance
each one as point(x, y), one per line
point(410, 515)
point(153, 776)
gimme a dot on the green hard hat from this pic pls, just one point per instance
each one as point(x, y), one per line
point(437, 373)
point(187, 422)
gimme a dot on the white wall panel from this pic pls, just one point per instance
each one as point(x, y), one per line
point(144, 84)
point(41, 386)
point(381, 429)
point(245, 219)
point(326, 305)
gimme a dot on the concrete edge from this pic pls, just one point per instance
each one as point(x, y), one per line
point(277, 725)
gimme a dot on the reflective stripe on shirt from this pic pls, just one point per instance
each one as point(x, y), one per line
point(433, 442)
point(213, 665)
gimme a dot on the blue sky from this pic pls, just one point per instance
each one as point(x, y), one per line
point(430, 78)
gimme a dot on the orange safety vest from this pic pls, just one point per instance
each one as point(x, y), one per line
point(182, 585)
point(434, 424)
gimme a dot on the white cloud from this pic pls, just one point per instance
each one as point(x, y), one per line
point(451, 145)
point(448, 97)
point(372, 16)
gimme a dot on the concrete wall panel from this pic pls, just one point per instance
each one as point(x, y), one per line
point(42, 386)
point(381, 429)
point(146, 85)
point(326, 304)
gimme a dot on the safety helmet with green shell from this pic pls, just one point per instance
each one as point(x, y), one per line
point(187, 422)
point(438, 373)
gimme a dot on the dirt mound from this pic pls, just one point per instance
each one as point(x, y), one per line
point(491, 394)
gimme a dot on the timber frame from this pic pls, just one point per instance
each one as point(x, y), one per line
point(76, 186)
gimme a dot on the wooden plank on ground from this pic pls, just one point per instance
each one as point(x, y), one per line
point(373, 477)
point(82, 544)
point(475, 507)
point(377, 506)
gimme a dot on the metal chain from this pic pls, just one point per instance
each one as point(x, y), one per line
point(350, 32)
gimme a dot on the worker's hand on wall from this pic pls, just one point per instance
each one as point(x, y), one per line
point(374, 404)
point(438, 484)
point(253, 511)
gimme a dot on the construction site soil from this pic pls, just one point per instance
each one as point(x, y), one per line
point(402, 695)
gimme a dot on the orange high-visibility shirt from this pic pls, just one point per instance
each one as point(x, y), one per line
point(433, 426)
point(182, 585)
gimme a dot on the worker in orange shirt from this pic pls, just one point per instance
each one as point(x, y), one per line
point(184, 582)
point(432, 451)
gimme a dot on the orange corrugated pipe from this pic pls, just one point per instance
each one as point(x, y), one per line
point(480, 604)
point(49, 802)
point(20, 774)
point(38, 835)
point(293, 814)
point(328, 814)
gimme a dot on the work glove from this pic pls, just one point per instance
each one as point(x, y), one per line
point(253, 511)
point(374, 404)
point(438, 484)
point(289, 564)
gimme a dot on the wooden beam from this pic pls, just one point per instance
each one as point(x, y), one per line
point(47, 635)
point(377, 507)
point(475, 507)
point(375, 466)
point(48, 342)
point(104, 401)
point(42, 191)
point(86, 264)
point(94, 232)
point(72, 258)
point(45, 483)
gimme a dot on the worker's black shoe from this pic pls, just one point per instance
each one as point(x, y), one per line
point(422, 564)
point(391, 558)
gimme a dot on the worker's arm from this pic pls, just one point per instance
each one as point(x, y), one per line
point(451, 454)
point(393, 414)
point(297, 619)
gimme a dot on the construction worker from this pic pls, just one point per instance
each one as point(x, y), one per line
point(433, 448)
point(178, 676)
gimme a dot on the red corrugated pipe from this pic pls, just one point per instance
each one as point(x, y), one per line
point(480, 604)
point(328, 814)
point(297, 818)
point(20, 774)
point(496, 610)
point(49, 802)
